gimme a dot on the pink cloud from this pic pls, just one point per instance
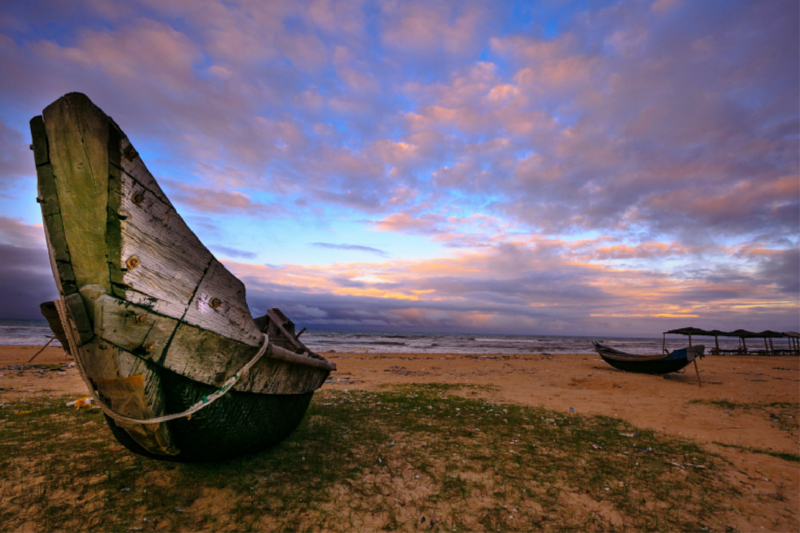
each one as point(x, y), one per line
point(421, 26)
point(662, 6)
point(15, 232)
point(219, 201)
point(15, 158)
point(148, 52)
point(520, 285)
point(404, 223)
point(648, 250)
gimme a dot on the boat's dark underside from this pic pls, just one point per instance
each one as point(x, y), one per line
point(662, 366)
point(239, 423)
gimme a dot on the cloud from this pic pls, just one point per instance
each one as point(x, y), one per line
point(513, 286)
point(149, 53)
point(16, 160)
point(25, 281)
point(15, 232)
point(402, 222)
point(422, 27)
point(208, 200)
point(644, 149)
point(232, 252)
point(352, 247)
point(649, 250)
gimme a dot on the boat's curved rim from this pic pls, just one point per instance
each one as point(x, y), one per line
point(635, 358)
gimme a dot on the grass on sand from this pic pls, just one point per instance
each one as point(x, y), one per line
point(423, 457)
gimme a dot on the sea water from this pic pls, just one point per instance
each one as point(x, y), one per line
point(35, 332)
point(327, 341)
point(26, 332)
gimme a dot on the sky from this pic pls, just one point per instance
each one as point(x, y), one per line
point(545, 168)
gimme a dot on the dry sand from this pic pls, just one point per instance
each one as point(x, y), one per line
point(580, 382)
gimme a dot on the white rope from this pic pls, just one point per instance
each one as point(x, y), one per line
point(204, 402)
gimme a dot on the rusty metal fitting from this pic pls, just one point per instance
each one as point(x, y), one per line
point(130, 153)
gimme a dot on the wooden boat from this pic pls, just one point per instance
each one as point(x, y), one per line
point(649, 364)
point(159, 329)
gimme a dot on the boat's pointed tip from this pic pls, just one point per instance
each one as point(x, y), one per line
point(73, 100)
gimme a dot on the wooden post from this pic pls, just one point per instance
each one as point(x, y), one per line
point(40, 351)
point(690, 341)
point(664, 343)
point(716, 341)
point(700, 383)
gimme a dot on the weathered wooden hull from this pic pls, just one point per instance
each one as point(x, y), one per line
point(240, 423)
point(151, 317)
point(649, 364)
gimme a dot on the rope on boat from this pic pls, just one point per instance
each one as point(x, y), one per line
point(204, 402)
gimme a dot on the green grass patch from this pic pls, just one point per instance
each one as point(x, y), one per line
point(785, 414)
point(438, 387)
point(722, 404)
point(793, 457)
point(417, 457)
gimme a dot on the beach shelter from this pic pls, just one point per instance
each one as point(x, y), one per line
point(688, 332)
point(769, 335)
point(743, 334)
point(794, 341)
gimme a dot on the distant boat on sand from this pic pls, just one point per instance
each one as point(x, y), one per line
point(649, 364)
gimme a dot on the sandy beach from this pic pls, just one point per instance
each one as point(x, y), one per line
point(713, 414)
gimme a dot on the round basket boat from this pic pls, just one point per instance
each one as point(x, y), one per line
point(159, 329)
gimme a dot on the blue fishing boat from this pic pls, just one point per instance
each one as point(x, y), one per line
point(649, 364)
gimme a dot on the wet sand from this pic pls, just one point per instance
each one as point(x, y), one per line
point(676, 405)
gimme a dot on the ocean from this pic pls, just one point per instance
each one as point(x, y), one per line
point(34, 332)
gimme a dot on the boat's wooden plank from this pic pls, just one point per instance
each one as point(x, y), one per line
point(57, 238)
point(59, 254)
point(149, 402)
point(197, 353)
point(41, 154)
point(50, 313)
point(51, 213)
point(48, 197)
point(82, 322)
point(162, 261)
point(220, 306)
point(77, 136)
point(283, 328)
point(195, 347)
point(275, 376)
point(134, 167)
point(113, 223)
point(129, 387)
point(176, 275)
point(132, 328)
point(107, 370)
point(206, 356)
point(189, 351)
